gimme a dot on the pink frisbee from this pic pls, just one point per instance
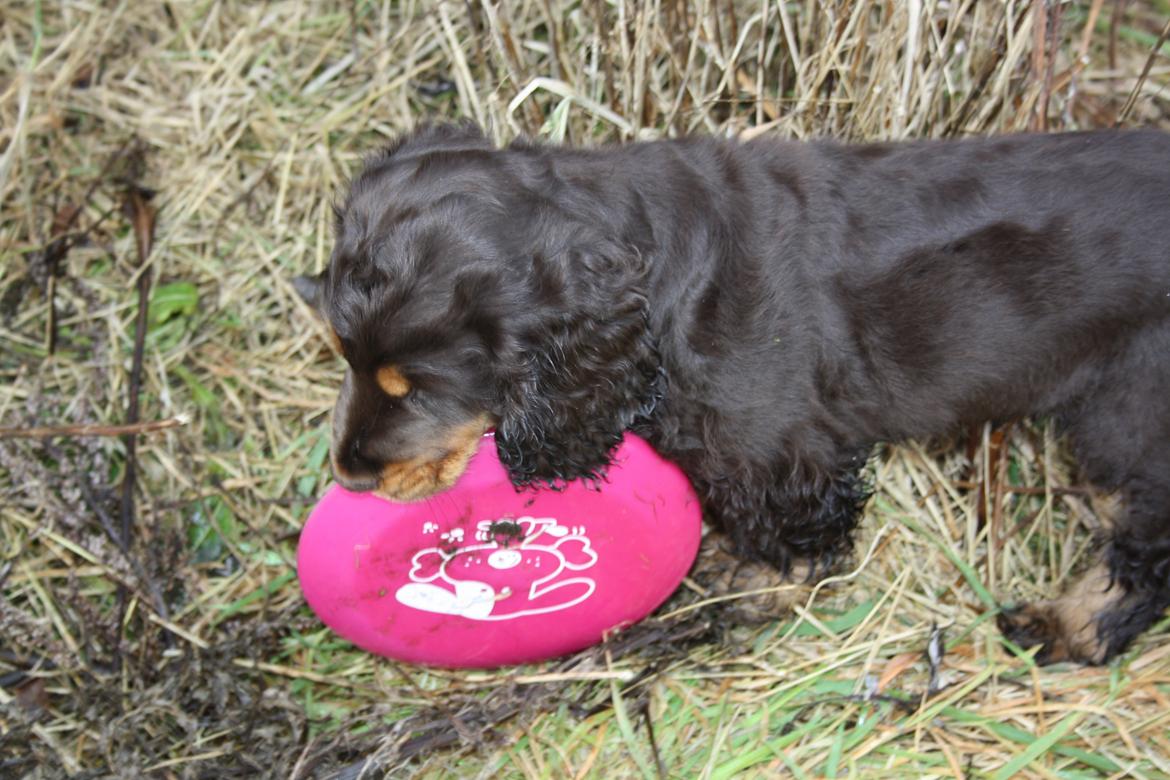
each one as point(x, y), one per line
point(481, 575)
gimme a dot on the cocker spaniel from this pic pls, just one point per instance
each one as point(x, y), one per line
point(764, 313)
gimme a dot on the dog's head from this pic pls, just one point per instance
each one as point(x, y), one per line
point(463, 293)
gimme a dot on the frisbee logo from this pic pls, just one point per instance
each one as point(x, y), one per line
point(512, 569)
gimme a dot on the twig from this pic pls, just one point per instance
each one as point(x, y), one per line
point(1087, 32)
point(296, 674)
point(127, 429)
point(141, 214)
point(1040, 21)
point(62, 241)
point(1023, 490)
point(1137, 88)
point(658, 763)
point(935, 650)
point(1114, 25)
point(107, 523)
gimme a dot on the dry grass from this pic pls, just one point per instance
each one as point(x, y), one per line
point(182, 649)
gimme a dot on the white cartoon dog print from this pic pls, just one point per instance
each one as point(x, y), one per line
point(513, 568)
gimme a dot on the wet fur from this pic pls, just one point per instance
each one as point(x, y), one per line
point(765, 313)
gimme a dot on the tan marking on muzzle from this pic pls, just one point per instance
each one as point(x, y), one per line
point(392, 382)
point(418, 478)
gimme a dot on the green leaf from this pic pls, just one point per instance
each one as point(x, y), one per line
point(315, 463)
point(833, 762)
point(840, 623)
point(226, 611)
point(1039, 747)
point(177, 299)
point(626, 729)
point(200, 394)
point(557, 123)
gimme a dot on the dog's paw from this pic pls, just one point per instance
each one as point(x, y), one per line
point(754, 592)
point(1052, 626)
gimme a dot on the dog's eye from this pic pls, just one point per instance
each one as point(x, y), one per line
point(392, 382)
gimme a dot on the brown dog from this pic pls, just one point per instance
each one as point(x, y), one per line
point(764, 313)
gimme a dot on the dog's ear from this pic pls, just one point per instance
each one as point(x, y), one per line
point(309, 288)
point(588, 370)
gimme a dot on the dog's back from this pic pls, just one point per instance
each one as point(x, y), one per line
point(977, 277)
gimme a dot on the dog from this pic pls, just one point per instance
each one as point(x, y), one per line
point(765, 313)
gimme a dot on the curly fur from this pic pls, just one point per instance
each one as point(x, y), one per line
point(586, 375)
point(765, 313)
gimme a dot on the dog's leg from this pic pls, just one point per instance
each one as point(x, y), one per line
point(1120, 595)
point(1122, 436)
point(756, 592)
point(779, 537)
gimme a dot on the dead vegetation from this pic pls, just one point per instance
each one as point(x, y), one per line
point(156, 461)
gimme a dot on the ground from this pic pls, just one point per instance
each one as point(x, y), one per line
point(185, 154)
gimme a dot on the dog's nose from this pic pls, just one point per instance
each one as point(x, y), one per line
point(354, 472)
point(356, 484)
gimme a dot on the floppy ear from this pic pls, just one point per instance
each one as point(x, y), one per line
point(589, 367)
point(309, 288)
